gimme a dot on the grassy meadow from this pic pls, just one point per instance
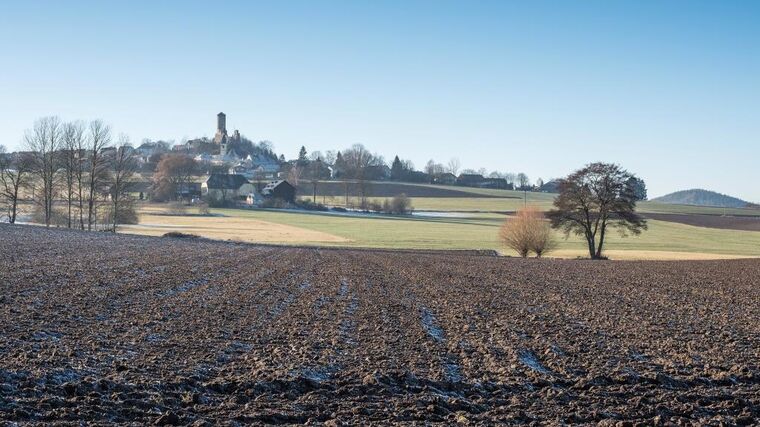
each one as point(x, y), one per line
point(664, 240)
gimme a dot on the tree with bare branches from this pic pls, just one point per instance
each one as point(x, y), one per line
point(173, 173)
point(98, 138)
point(453, 166)
point(15, 171)
point(592, 199)
point(357, 160)
point(73, 156)
point(44, 140)
point(123, 167)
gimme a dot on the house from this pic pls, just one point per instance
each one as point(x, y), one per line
point(188, 190)
point(445, 179)
point(550, 187)
point(280, 190)
point(470, 180)
point(499, 183)
point(224, 188)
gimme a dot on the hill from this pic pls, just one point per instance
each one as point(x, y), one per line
point(698, 197)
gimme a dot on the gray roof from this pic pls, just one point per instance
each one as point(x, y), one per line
point(225, 181)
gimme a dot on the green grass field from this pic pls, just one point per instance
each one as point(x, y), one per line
point(472, 223)
point(509, 200)
point(480, 232)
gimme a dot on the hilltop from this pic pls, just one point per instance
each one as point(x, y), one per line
point(699, 197)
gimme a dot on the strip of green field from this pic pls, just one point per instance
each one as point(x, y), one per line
point(510, 200)
point(481, 231)
point(541, 200)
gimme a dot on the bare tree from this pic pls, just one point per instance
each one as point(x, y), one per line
point(454, 165)
point(123, 167)
point(73, 168)
point(44, 141)
point(173, 174)
point(510, 177)
point(14, 175)
point(79, 142)
point(523, 181)
point(434, 169)
point(294, 175)
point(590, 200)
point(329, 157)
point(98, 139)
point(357, 161)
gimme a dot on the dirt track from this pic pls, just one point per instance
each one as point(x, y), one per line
point(120, 329)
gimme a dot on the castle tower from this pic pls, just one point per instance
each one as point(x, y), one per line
point(221, 123)
point(221, 128)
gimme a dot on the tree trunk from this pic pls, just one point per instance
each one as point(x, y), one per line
point(14, 204)
point(115, 210)
point(591, 245)
point(81, 208)
point(601, 242)
point(69, 207)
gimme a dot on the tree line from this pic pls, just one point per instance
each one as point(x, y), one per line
point(74, 174)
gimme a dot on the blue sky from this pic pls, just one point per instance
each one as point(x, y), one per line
point(668, 89)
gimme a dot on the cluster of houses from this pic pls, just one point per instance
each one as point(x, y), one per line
point(253, 178)
point(225, 188)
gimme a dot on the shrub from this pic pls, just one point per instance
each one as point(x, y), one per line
point(126, 214)
point(176, 208)
point(274, 203)
point(180, 235)
point(542, 239)
point(527, 232)
point(401, 205)
point(311, 206)
point(203, 209)
point(57, 216)
point(375, 207)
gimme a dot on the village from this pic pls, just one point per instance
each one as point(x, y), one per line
point(230, 170)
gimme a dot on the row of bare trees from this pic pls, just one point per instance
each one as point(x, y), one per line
point(72, 163)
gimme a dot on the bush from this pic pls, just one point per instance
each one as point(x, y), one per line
point(57, 216)
point(401, 205)
point(375, 207)
point(180, 235)
point(528, 232)
point(274, 203)
point(203, 209)
point(311, 206)
point(176, 208)
point(127, 214)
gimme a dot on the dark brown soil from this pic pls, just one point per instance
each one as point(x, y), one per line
point(134, 330)
point(747, 223)
point(385, 189)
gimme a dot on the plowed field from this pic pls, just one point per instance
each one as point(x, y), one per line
point(126, 329)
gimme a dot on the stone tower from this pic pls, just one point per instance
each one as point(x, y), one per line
point(221, 129)
point(221, 122)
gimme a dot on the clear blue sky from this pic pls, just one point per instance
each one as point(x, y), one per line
point(668, 89)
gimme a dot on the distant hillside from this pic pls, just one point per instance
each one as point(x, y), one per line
point(699, 197)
